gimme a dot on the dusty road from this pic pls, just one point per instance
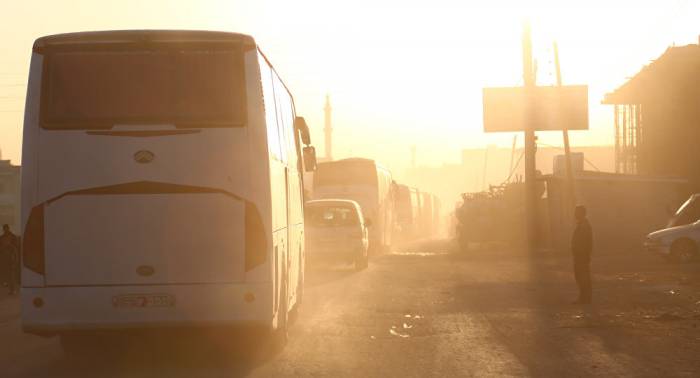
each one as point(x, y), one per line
point(487, 313)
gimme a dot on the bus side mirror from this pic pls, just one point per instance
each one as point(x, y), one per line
point(309, 158)
point(300, 124)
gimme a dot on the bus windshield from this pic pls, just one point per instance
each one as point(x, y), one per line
point(184, 87)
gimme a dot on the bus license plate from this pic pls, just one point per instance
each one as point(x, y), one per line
point(143, 300)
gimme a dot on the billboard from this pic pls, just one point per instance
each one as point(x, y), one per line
point(547, 108)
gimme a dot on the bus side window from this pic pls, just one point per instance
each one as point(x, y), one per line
point(273, 135)
point(279, 90)
point(285, 114)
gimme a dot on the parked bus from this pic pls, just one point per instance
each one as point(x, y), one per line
point(367, 183)
point(407, 208)
point(161, 185)
point(436, 226)
point(429, 218)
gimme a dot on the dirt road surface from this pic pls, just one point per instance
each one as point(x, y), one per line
point(430, 313)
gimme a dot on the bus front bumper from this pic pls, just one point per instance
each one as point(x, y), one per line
point(52, 310)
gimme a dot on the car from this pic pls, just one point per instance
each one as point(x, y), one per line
point(679, 241)
point(677, 244)
point(336, 231)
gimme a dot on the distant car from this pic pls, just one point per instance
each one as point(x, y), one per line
point(336, 231)
point(679, 241)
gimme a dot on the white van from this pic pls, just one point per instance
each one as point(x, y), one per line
point(336, 231)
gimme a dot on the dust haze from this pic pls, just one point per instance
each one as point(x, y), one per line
point(297, 189)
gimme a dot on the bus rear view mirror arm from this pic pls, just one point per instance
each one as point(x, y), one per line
point(310, 158)
point(300, 124)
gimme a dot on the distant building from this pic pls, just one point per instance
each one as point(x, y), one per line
point(498, 162)
point(577, 163)
point(657, 117)
point(9, 195)
point(480, 168)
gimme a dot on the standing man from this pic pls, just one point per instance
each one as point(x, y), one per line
point(9, 258)
point(581, 247)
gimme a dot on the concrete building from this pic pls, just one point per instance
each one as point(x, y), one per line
point(657, 117)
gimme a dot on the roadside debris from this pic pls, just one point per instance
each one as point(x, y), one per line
point(668, 317)
point(394, 332)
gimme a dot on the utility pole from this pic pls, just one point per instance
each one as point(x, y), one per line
point(570, 185)
point(530, 144)
point(327, 129)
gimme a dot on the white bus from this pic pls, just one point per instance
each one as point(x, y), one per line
point(367, 183)
point(407, 209)
point(161, 184)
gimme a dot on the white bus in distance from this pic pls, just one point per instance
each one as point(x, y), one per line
point(367, 183)
point(161, 185)
point(407, 212)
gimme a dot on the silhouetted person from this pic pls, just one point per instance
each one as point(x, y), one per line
point(9, 258)
point(581, 247)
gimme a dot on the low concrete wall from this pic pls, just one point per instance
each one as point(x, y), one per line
point(622, 209)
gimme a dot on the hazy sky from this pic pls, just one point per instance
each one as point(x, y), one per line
point(399, 72)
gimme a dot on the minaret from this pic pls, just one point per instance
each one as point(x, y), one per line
point(328, 130)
